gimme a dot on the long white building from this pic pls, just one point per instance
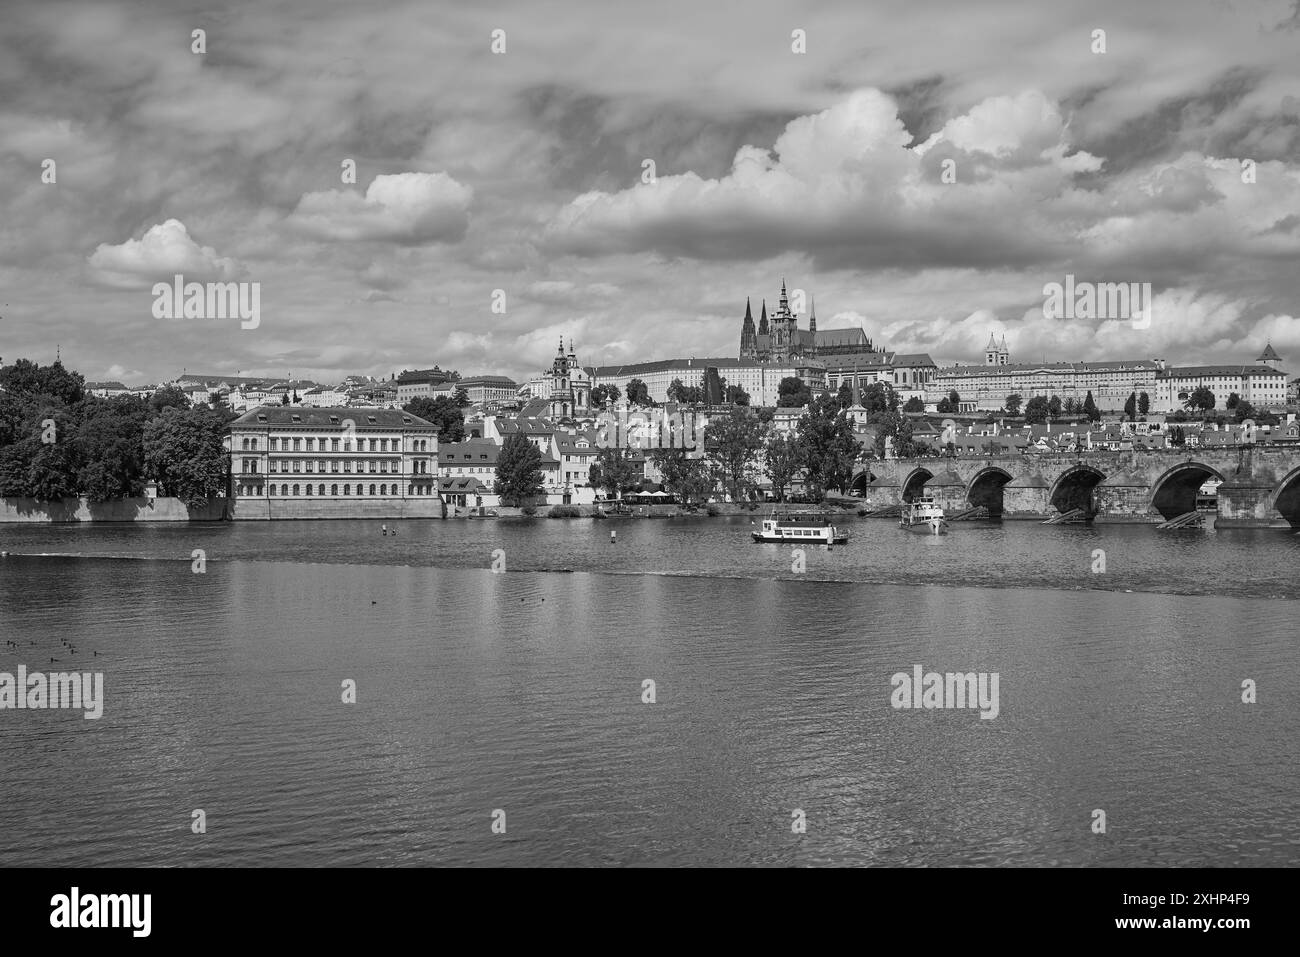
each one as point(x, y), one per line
point(761, 380)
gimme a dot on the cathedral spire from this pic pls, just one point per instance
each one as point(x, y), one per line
point(762, 322)
point(812, 315)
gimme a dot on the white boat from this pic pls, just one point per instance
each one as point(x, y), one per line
point(923, 515)
point(814, 528)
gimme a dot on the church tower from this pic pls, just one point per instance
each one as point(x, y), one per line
point(1004, 355)
point(748, 337)
point(562, 403)
point(991, 352)
point(812, 326)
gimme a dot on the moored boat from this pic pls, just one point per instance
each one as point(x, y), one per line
point(923, 515)
point(812, 527)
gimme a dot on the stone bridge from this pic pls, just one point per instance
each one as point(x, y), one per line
point(1260, 484)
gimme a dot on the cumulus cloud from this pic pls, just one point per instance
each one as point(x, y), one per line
point(163, 251)
point(406, 208)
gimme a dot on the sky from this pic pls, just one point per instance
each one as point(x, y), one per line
point(521, 178)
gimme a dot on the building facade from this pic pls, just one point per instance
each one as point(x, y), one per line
point(283, 453)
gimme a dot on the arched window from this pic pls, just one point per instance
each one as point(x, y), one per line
point(271, 489)
point(372, 490)
point(320, 490)
point(295, 490)
point(334, 490)
point(308, 489)
point(284, 490)
point(347, 490)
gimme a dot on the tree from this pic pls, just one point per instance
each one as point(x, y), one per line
point(830, 448)
point(1054, 407)
point(1233, 400)
point(1036, 410)
point(284, 398)
point(735, 395)
point(613, 471)
point(844, 397)
point(1178, 436)
point(519, 471)
point(1090, 407)
point(793, 393)
point(1201, 399)
point(685, 476)
point(914, 404)
point(880, 397)
point(172, 397)
point(1243, 411)
point(1071, 406)
point(31, 380)
point(604, 394)
point(1131, 406)
point(183, 450)
point(732, 444)
point(442, 412)
point(639, 394)
point(1144, 404)
point(1013, 403)
point(782, 462)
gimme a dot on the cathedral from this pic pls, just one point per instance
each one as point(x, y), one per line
point(568, 385)
point(778, 338)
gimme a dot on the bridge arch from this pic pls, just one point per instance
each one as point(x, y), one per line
point(861, 481)
point(915, 482)
point(1074, 487)
point(985, 489)
point(1174, 493)
point(1286, 497)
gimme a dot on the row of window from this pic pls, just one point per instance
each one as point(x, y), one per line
point(290, 490)
point(347, 445)
point(418, 467)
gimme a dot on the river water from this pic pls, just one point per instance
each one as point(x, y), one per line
point(1120, 689)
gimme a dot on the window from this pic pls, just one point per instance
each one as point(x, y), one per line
point(347, 490)
point(320, 490)
point(295, 490)
point(271, 489)
point(297, 445)
point(334, 490)
point(334, 443)
point(383, 490)
point(275, 444)
point(311, 445)
point(372, 490)
point(254, 443)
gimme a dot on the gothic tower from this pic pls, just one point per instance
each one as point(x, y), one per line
point(991, 352)
point(748, 337)
point(812, 326)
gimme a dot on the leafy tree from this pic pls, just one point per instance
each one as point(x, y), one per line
point(172, 397)
point(1243, 411)
point(1090, 407)
point(1054, 407)
point(844, 397)
point(685, 476)
point(782, 462)
point(284, 398)
point(460, 397)
point(1177, 436)
point(111, 439)
point(914, 404)
point(1201, 399)
point(1036, 410)
point(183, 450)
point(880, 397)
point(829, 446)
point(30, 380)
point(519, 471)
point(793, 393)
point(1233, 400)
point(1131, 406)
point(1144, 404)
point(1013, 403)
point(732, 443)
point(603, 394)
point(613, 471)
point(639, 394)
point(1071, 406)
point(442, 412)
point(735, 395)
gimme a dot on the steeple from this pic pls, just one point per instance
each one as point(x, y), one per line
point(762, 322)
point(812, 315)
point(748, 337)
point(991, 351)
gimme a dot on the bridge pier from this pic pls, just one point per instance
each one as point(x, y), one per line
point(1027, 497)
point(1244, 503)
point(1124, 498)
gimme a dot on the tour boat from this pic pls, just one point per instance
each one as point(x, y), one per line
point(923, 515)
point(812, 527)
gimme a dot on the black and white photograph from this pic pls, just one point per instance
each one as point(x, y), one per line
point(574, 435)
